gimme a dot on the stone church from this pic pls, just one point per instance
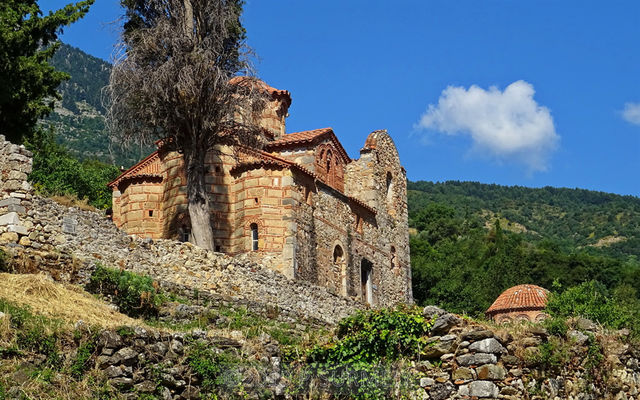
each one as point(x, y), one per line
point(299, 205)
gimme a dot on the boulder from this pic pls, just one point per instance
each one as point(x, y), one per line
point(432, 311)
point(444, 323)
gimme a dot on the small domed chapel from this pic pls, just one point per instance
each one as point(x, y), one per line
point(300, 205)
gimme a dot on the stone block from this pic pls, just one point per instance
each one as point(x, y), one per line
point(69, 225)
point(491, 372)
point(17, 208)
point(9, 237)
point(476, 359)
point(10, 201)
point(19, 229)
point(10, 218)
point(483, 389)
point(489, 345)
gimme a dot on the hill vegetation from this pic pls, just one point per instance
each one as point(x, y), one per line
point(471, 241)
point(79, 118)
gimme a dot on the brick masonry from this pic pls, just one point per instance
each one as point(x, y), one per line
point(320, 216)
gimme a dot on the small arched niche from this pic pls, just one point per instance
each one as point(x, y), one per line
point(389, 188)
point(339, 261)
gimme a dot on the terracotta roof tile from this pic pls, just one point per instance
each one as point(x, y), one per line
point(521, 297)
point(259, 157)
point(308, 137)
point(243, 80)
point(145, 168)
point(299, 137)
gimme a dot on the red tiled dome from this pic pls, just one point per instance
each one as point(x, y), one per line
point(521, 297)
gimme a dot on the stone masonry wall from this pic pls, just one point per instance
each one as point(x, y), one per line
point(15, 191)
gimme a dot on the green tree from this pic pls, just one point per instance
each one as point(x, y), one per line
point(27, 82)
point(56, 172)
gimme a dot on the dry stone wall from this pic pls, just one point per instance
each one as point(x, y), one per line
point(467, 360)
point(68, 242)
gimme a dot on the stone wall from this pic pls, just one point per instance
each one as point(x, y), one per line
point(15, 191)
point(463, 359)
point(68, 242)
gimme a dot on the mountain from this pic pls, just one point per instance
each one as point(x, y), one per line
point(79, 118)
point(575, 219)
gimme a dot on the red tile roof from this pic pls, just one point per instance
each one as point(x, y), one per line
point(144, 168)
point(259, 158)
point(245, 80)
point(521, 297)
point(308, 137)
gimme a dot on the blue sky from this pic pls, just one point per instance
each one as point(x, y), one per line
point(522, 92)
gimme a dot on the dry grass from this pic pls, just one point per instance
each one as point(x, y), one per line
point(73, 201)
point(61, 301)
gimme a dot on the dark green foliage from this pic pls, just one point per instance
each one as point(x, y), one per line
point(358, 364)
point(4, 262)
point(134, 294)
point(81, 130)
point(218, 372)
point(593, 300)
point(81, 362)
point(463, 241)
point(570, 218)
point(56, 172)
point(27, 41)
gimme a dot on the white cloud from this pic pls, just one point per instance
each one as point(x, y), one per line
point(506, 125)
point(631, 113)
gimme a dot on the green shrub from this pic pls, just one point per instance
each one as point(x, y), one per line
point(34, 333)
point(134, 294)
point(85, 351)
point(359, 363)
point(556, 326)
point(4, 263)
point(218, 372)
point(592, 300)
point(56, 172)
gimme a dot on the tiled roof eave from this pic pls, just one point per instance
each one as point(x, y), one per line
point(308, 137)
point(265, 158)
point(132, 171)
point(513, 309)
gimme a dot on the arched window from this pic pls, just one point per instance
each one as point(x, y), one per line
point(338, 254)
point(389, 187)
point(394, 258)
point(366, 272)
point(254, 236)
point(185, 233)
point(340, 265)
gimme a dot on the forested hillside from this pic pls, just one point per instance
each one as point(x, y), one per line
point(79, 119)
point(596, 222)
point(471, 241)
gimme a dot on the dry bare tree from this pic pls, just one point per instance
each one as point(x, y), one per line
point(172, 81)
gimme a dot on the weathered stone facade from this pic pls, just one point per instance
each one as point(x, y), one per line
point(301, 206)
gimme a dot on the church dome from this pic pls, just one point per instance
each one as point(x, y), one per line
point(519, 298)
